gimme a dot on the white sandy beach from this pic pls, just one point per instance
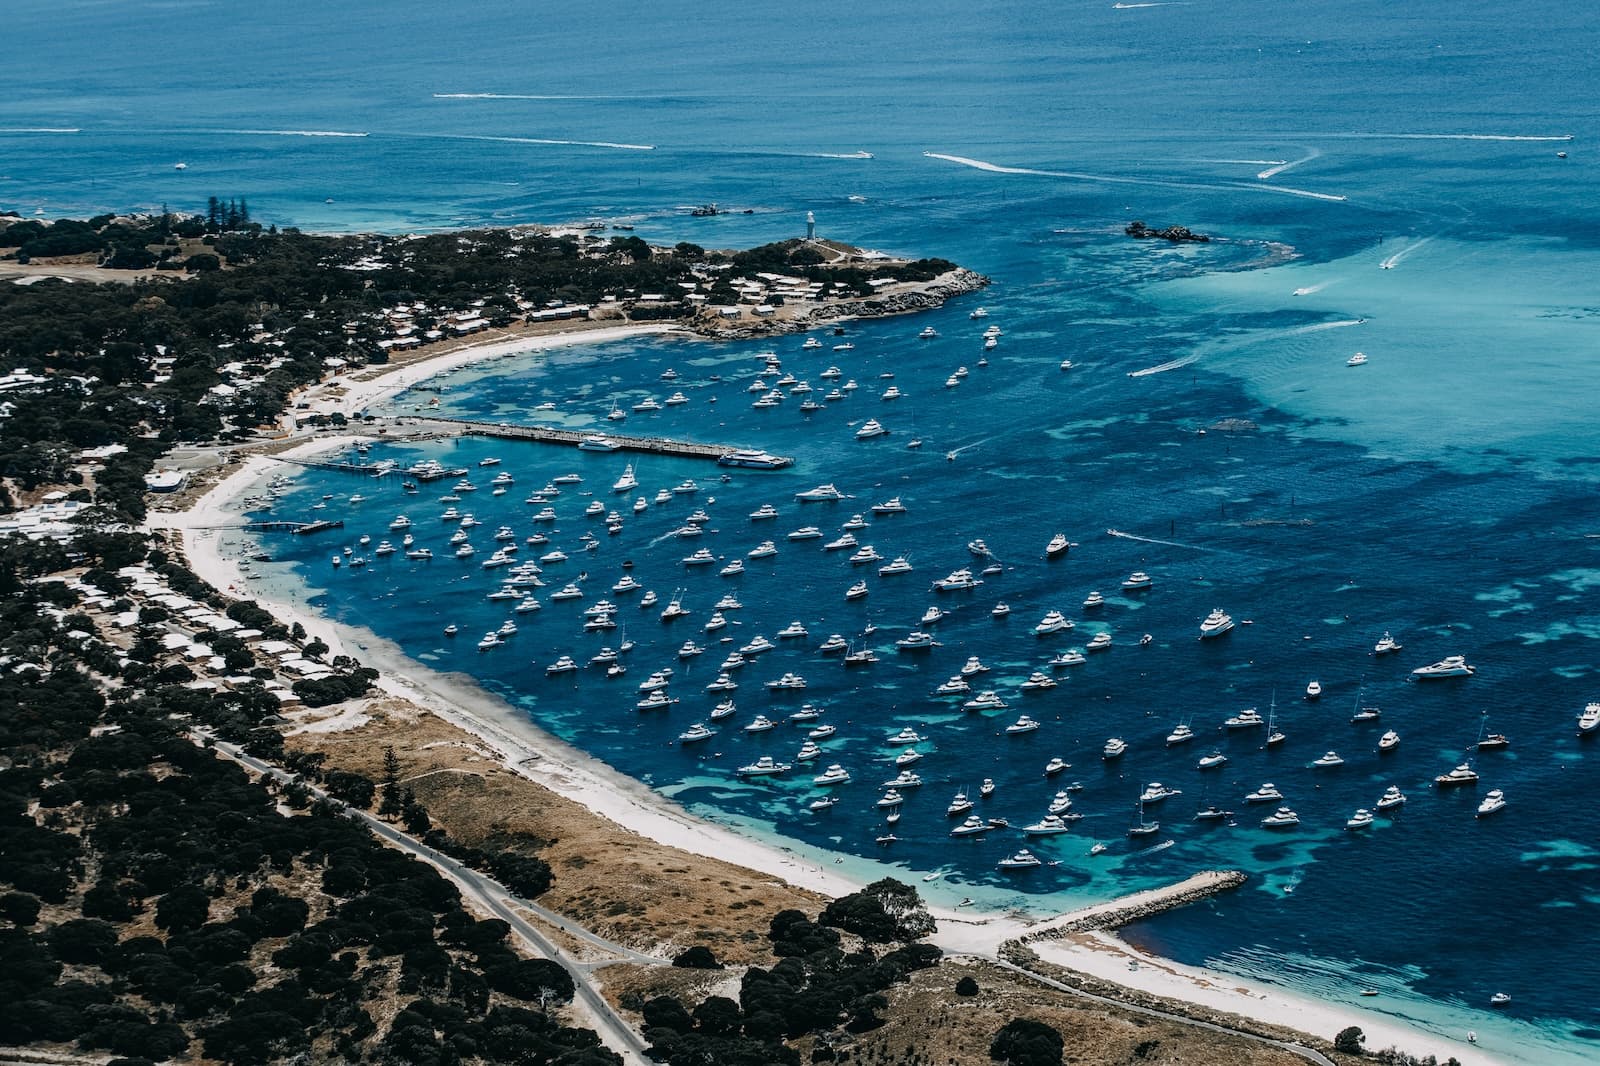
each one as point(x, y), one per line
point(578, 776)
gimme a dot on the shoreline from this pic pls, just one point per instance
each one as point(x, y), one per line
point(572, 773)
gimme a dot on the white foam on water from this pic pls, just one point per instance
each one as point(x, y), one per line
point(1451, 136)
point(1395, 259)
point(284, 133)
point(1274, 171)
point(41, 129)
point(1111, 179)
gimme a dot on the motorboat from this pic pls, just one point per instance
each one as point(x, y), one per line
point(764, 512)
point(527, 605)
point(891, 393)
point(724, 709)
point(834, 644)
point(689, 649)
point(419, 553)
point(1245, 719)
point(806, 533)
point(1155, 792)
point(490, 640)
point(1461, 775)
point(758, 645)
point(1358, 359)
point(1049, 825)
point(1061, 803)
point(765, 550)
point(1067, 658)
point(889, 506)
point(840, 543)
point(1314, 690)
point(891, 798)
point(1058, 546)
point(787, 682)
point(754, 460)
point(1500, 999)
point(1114, 748)
point(833, 775)
point(1282, 818)
point(1099, 642)
point(627, 584)
point(904, 779)
point(987, 700)
point(856, 591)
point(1093, 600)
point(905, 736)
point(1216, 624)
point(1366, 714)
point(627, 482)
point(1267, 793)
point(1181, 734)
point(1327, 760)
point(563, 665)
point(1137, 581)
point(1211, 761)
point(819, 494)
point(1450, 666)
point(908, 757)
point(973, 826)
point(986, 789)
point(1212, 813)
point(1493, 742)
point(793, 631)
point(916, 640)
point(869, 429)
point(956, 581)
point(1053, 622)
point(933, 616)
point(1386, 645)
point(1000, 610)
point(1022, 860)
point(864, 657)
point(655, 701)
point(733, 569)
point(808, 752)
point(596, 442)
point(1038, 681)
point(808, 712)
point(451, 630)
point(854, 522)
point(1589, 720)
point(956, 686)
point(761, 724)
point(649, 600)
point(1389, 741)
point(899, 565)
point(1024, 724)
point(1494, 801)
point(959, 805)
point(1055, 766)
point(723, 683)
point(763, 767)
point(1391, 799)
point(811, 344)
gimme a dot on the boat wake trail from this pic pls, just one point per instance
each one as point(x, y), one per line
point(1316, 327)
point(1274, 171)
point(1307, 290)
point(41, 129)
point(1394, 260)
point(1451, 136)
point(1112, 179)
point(532, 96)
point(1166, 543)
point(284, 133)
point(534, 140)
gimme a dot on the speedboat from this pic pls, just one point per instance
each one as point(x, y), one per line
point(1389, 741)
point(1282, 818)
point(763, 512)
point(627, 482)
point(1461, 775)
point(724, 709)
point(490, 640)
point(933, 615)
point(904, 779)
point(1358, 359)
point(689, 649)
point(1494, 801)
point(1245, 719)
point(1049, 825)
point(987, 700)
point(1314, 690)
point(841, 542)
point(1450, 666)
point(1061, 803)
point(628, 584)
point(567, 592)
point(1327, 759)
point(788, 681)
point(833, 775)
point(723, 683)
point(867, 554)
point(763, 767)
point(1022, 860)
point(596, 442)
point(758, 645)
point(1180, 734)
point(1024, 724)
point(854, 522)
point(900, 565)
point(891, 393)
point(1216, 623)
point(1058, 546)
point(1055, 766)
point(905, 736)
point(657, 700)
point(819, 494)
point(1053, 622)
point(1114, 748)
point(960, 805)
point(1137, 581)
point(928, 333)
point(1212, 761)
point(733, 569)
point(891, 798)
point(696, 732)
point(808, 712)
point(1386, 644)
point(811, 344)
point(1267, 793)
point(908, 757)
point(1391, 798)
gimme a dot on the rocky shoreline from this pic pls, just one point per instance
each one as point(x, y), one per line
point(922, 296)
point(1201, 886)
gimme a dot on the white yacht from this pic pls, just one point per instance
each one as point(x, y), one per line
point(905, 736)
point(841, 542)
point(1362, 819)
point(891, 393)
point(856, 591)
point(1038, 681)
point(1094, 599)
point(808, 752)
point(793, 631)
point(957, 580)
point(763, 512)
point(765, 550)
point(1060, 804)
point(973, 826)
point(869, 429)
point(1098, 642)
point(1000, 610)
point(1267, 793)
point(1389, 741)
point(1181, 734)
point(891, 798)
point(956, 686)
point(1391, 799)
point(833, 775)
point(907, 758)
point(811, 344)
point(1212, 761)
point(1327, 760)
point(1023, 724)
point(761, 724)
point(1053, 622)
point(933, 615)
point(1386, 645)
point(905, 779)
point(1245, 719)
point(987, 700)
point(806, 533)
point(1358, 359)
point(1155, 792)
point(724, 709)
point(1282, 818)
point(1494, 801)
point(899, 565)
point(864, 555)
point(1450, 666)
point(563, 665)
point(789, 682)
point(1314, 690)
point(834, 644)
point(1022, 860)
point(1137, 581)
point(627, 584)
point(1589, 720)
point(1068, 658)
point(819, 494)
point(689, 649)
point(973, 666)
point(1216, 623)
point(889, 506)
point(700, 557)
point(916, 640)
point(1049, 825)
point(627, 482)
point(763, 767)
point(1055, 766)
point(1114, 748)
point(1058, 546)
point(1461, 775)
point(757, 646)
point(733, 569)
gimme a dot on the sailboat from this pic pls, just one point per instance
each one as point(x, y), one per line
point(1275, 736)
point(1142, 827)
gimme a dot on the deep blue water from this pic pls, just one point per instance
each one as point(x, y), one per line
point(1380, 178)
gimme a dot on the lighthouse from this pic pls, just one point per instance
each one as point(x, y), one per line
point(811, 226)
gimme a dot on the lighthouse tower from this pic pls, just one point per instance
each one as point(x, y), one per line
point(811, 226)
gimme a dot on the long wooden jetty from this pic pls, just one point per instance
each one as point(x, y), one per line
point(299, 529)
point(549, 435)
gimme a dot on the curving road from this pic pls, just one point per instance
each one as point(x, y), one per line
point(498, 900)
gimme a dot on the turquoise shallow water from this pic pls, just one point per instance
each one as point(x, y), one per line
point(1379, 179)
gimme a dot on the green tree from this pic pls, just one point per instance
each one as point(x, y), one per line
point(1026, 1042)
point(1350, 1040)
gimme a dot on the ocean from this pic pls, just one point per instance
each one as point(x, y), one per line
point(1376, 178)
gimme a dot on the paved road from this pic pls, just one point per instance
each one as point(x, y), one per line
point(1309, 1054)
point(501, 902)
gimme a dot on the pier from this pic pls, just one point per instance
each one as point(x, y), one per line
point(299, 529)
point(378, 469)
point(1119, 912)
point(548, 435)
